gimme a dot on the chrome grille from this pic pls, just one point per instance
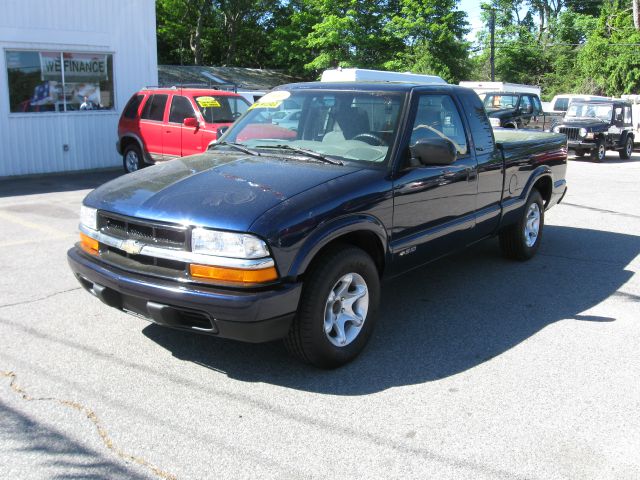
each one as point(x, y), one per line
point(153, 233)
point(175, 237)
point(572, 133)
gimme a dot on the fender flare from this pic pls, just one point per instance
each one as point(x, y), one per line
point(140, 143)
point(541, 172)
point(330, 231)
point(625, 136)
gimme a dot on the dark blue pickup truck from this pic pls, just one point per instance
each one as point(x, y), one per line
point(287, 233)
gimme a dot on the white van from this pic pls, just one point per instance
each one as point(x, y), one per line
point(482, 88)
point(560, 103)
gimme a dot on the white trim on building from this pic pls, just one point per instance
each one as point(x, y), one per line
point(43, 142)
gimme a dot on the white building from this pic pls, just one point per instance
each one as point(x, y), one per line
point(67, 69)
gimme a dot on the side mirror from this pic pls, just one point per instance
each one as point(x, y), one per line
point(619, 117)
point(191, 122)
point(434, 151)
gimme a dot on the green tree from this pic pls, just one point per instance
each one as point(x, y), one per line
point(432, 33)
point(610, 60)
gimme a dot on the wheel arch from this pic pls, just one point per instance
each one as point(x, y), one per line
point(544, 184)
point(132, 139)
point(362, 231)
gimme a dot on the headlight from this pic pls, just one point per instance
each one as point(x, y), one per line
point(227, 244)
point(583, 132)
point(89, 217)
point(495, 122)
point(556, 129)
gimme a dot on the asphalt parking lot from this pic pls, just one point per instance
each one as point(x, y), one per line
point(479, 368)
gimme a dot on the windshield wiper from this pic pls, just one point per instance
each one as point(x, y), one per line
point(237, 146)
point(304, 151)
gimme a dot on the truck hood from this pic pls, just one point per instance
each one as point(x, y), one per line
point(592, 124)
point(219, 190)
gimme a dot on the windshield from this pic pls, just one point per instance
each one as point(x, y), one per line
point(590, 110)
point(345, 125)
point(494, 101)
point(221, 109)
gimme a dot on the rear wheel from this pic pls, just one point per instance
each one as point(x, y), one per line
point(599, 152)
point(522, 240)
point(132, 159)
point(337, 310)
point(625, 153)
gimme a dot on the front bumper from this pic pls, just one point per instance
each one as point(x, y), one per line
point(581, 145)
point(251, 316)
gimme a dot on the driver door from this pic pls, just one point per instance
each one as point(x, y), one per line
point(434, 204)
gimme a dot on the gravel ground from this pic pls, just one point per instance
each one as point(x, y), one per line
point(479, 368)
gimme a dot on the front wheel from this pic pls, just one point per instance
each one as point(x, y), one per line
point(625, 153)
point(337, 310)
point(599, 152)
point(522, 240)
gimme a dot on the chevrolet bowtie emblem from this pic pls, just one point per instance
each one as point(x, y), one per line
point(132, 247)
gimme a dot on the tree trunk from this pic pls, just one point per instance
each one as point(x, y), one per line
point(196, 39)
point(636, 14)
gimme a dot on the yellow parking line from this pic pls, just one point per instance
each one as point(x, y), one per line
point(34, 226)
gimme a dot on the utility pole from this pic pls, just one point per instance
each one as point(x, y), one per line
point(492, 30)
point(492, 58)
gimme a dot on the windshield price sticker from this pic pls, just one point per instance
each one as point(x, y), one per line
point(265, 105)
point(271, 100)
point(208, 102)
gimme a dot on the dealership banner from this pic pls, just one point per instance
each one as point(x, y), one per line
point(78, 67)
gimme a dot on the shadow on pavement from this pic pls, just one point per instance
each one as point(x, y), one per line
point(55, 183)
point(54, 455)
point(445, 318)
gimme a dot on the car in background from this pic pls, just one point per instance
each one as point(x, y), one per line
point(560, 103)
point(518, 110)
point(160, 124)
point(287, 119)
point(597, 126)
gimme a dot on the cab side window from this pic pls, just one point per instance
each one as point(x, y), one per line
point(180, 109)
point(627, 115)
point(617, 115)
point(525, 105)
point(438, 117)
point(537, 106)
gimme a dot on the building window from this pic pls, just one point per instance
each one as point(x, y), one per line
point(59, 81)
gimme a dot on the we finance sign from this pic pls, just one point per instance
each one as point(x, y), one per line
point(78, 67)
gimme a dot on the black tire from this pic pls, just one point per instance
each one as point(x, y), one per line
point(580, 153)
point(514, 241)
point(627, 150)
point(132, 158)
point(307, 339)
point(599, 152)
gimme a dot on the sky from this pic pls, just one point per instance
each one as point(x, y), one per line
point(472, 7)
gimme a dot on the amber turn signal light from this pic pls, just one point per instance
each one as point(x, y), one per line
point(233, 275)
point(88, 244)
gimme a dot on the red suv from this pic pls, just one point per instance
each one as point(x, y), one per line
point(165, 123)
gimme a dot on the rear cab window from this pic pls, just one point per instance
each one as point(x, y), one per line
point(131, 109)
point(561, 104)
point(219, 108)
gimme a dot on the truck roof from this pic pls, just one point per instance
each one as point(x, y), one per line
point(369, 86)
